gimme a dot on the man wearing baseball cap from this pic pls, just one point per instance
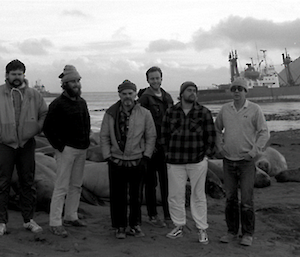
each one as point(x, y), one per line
point(127, 139)
point(67, 127)
point(188, 136)
point(241, 133)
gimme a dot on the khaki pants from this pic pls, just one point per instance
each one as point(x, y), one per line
point(69, 177)
point(178, 175)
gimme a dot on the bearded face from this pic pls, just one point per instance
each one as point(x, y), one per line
point(189, 95)
point(73, 88)
point(127, 97)
point(15, 78)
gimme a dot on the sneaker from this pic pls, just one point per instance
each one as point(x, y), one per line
point(120, 233)
point(246, 240)
point(32, 226)
point(228, 238)
point(203, 238)
point(175, 233)
point(136, 231)
point(58, 231)
point(2, 229)
point(74, 223)
point(157, 222)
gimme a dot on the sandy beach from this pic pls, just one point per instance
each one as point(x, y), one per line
point(277, 226)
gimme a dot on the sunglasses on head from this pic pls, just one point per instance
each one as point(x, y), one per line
point(239, 88)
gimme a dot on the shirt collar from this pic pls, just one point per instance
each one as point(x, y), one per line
point(244, 106)
point(196, 106)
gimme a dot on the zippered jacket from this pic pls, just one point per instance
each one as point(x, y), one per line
point(156, 106)
point(140, 138)
point(32, 116)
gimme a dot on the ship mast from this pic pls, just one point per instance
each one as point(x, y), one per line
point(234, 72)
point(265, 59)
point(286, 62)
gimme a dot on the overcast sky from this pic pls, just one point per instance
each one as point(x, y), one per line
point(109, 41)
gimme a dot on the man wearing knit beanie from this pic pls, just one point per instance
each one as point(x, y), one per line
point(126, 85)
point(185, 85)
point(188, 136)
point(70, 79)
point(242, 133)
point(67, 127)
point(127, 140)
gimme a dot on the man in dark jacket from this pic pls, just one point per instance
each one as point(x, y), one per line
point(67, 127)
point(157, 100)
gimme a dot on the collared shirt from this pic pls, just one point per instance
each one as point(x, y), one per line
point(123, 124)
point(241, 132)
point(188, 138)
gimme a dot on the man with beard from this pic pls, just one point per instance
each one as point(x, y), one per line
point(22, 114)
point(67, 127)
point(127, 139)
point(188, 135)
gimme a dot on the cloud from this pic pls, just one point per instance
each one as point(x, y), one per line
point(35, 46)
point(109, 45)
point(74, 13)
point(120, 34)
point(242, 32)
point(3, 49)
point(164, 45)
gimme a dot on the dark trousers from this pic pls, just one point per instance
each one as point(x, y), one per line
point(239, 174)
point(157, 165)
point(124, 181)
point(24, 161)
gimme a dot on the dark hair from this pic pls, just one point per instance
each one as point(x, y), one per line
point(15, 65)
point(153, 69)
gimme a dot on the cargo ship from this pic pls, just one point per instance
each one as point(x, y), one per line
point(264, 84)
point(42, 90)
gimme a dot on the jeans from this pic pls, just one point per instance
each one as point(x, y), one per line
point(157, 165)
point(120, 178)
point(67, 187)
point(24, 160)
point(239, 174)
point(178, 174)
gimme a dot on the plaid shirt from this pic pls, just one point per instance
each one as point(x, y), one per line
point(188, 138)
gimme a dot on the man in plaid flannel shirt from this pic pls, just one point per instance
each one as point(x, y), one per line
point(188, 135)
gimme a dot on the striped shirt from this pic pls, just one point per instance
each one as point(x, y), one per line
point(188, 138)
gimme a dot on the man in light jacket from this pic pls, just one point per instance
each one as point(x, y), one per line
point(127, 139)
point(22, 114)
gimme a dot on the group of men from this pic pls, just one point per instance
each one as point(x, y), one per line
point(143, 141)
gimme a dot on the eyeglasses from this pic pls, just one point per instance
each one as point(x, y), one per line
point(239, 88)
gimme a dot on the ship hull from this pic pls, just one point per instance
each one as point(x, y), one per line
point(257, 94)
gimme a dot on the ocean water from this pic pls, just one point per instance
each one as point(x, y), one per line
point(98, 102)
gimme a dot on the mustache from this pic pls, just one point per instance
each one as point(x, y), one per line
point(128, 99)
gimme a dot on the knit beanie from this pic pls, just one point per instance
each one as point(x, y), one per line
point(69, 73)
point(187, 84)
point(126, 85)
point(240, 82)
